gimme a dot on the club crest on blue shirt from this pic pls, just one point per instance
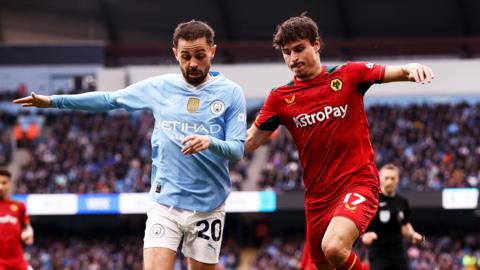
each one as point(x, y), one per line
point(217, 107)
point(193, 104)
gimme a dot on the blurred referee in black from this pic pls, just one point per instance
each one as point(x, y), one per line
point(390, 224)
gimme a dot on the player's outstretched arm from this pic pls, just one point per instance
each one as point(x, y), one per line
point(256, 137)
point(96, 101)
point(35, 100)
point(413, 72)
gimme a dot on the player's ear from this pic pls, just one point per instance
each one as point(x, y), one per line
point(213, 49)
point(175, 53)
point(316, 45)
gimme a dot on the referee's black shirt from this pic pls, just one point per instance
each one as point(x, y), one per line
point(393, 212)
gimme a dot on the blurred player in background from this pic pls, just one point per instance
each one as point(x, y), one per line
point(322, 107)
point(200, 124)
point(15, 228)
point(384, 234)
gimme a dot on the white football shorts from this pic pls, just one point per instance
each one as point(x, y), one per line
point(202, 232)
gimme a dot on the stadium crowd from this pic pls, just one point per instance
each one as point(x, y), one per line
point(105, 253)
point(435, 146)
point(95, 153)
point(450, 252)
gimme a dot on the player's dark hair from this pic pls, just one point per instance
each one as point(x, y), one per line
point(193, 30)
point(296, 28)
point(5, 172)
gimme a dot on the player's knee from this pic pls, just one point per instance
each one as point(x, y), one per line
point(335, 250)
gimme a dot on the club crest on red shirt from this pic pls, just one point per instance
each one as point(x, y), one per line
point(336, 85)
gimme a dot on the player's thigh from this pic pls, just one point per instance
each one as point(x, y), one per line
point(340, 235)
point(202, 242)
point(158, 258)
point(351, 216)
point(358, 204)
point(162, 237)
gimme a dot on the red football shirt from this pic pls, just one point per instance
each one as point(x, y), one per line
point(13, 216)
point(327, 120)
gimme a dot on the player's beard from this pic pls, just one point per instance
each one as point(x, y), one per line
point(199, 75)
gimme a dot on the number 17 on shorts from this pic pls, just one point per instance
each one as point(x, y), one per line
point(358, 205)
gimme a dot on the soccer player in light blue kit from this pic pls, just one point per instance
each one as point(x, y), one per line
point(200, 125)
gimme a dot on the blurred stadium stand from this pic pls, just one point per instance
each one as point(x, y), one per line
point(141, 32)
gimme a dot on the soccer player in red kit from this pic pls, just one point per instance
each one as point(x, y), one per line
point(14, 228)
point(323, 109)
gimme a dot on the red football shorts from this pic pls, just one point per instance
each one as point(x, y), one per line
point(359, 204)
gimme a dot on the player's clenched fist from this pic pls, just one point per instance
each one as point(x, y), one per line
point(195, 143)
point(34, 100)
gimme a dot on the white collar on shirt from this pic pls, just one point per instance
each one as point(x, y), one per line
point(200, 86)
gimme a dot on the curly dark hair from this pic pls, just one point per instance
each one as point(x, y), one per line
point(5, 172)
point(193, 30)
point(296, 28)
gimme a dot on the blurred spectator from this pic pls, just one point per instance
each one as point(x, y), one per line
point(6, 122)
point(281, 254)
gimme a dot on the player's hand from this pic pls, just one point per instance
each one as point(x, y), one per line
point(418, 73)
point(418, 238)
point(35, 100)
point(368, 238)
point(195, 143)
point(27, 235)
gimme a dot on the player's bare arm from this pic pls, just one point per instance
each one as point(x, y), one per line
point(35, 100)
point(255, 138)
point(195, 143)
point(409, 233)
point(27, 234)
point(414, 72)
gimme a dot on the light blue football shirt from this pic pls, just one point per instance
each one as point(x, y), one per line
point(216, 108)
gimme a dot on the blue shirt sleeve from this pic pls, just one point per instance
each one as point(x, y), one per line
point(134, 97)
point(235, 129)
